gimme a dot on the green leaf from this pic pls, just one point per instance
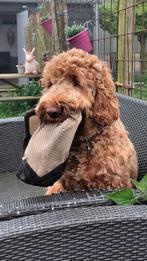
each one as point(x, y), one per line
point(144, 181)
point(142, 185)
point(138, 185)
point(123, 197)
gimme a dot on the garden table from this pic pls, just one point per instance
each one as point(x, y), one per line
point(6, 77)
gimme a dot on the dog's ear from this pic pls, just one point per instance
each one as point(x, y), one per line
point(106, 109)
point(46, 81)
point(32, 51)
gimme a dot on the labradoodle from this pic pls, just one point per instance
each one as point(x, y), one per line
point(101, 155)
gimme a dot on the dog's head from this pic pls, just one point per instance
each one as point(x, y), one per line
point(77, 81)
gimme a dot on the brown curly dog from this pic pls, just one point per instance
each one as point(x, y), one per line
point(101, 156)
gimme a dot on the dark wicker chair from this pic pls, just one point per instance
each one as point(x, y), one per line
point(69, 226)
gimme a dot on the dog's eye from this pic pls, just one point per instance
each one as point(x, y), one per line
point(75, 82)
point(49, 84)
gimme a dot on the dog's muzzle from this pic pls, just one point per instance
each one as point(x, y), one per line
point(46, 154)
point(26, 174)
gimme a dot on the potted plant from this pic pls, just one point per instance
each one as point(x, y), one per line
point(78, 36)
point(46, 22)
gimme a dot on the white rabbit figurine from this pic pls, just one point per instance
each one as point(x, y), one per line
point(31, 65)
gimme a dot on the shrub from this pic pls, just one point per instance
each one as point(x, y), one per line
point(18, 108)
point(140, 90)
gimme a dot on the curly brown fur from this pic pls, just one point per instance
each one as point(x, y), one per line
point(78, 81)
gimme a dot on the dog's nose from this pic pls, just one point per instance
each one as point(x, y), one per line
point(54, 112)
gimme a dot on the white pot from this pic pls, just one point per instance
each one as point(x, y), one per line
point(20, 68)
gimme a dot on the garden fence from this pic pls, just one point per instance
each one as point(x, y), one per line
point(119, 36)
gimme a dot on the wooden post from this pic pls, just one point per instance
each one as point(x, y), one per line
point(60, 16)
point(121, 42)
point(126, 25)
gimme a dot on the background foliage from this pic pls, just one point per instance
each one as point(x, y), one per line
point(18, 108)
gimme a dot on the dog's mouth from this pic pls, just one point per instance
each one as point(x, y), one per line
point(56, 114)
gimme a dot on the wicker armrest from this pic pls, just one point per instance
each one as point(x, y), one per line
point(11, 143)
point(91, 233)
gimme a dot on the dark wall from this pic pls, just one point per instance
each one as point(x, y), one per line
point(14, 61)
point(5, 60)
point(79, 13)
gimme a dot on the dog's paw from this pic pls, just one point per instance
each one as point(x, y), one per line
point(56, 188)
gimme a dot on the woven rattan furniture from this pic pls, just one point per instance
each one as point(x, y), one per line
point(71, 226)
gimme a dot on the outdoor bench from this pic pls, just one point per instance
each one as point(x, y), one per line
point(69, 226)
point(6, 77)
